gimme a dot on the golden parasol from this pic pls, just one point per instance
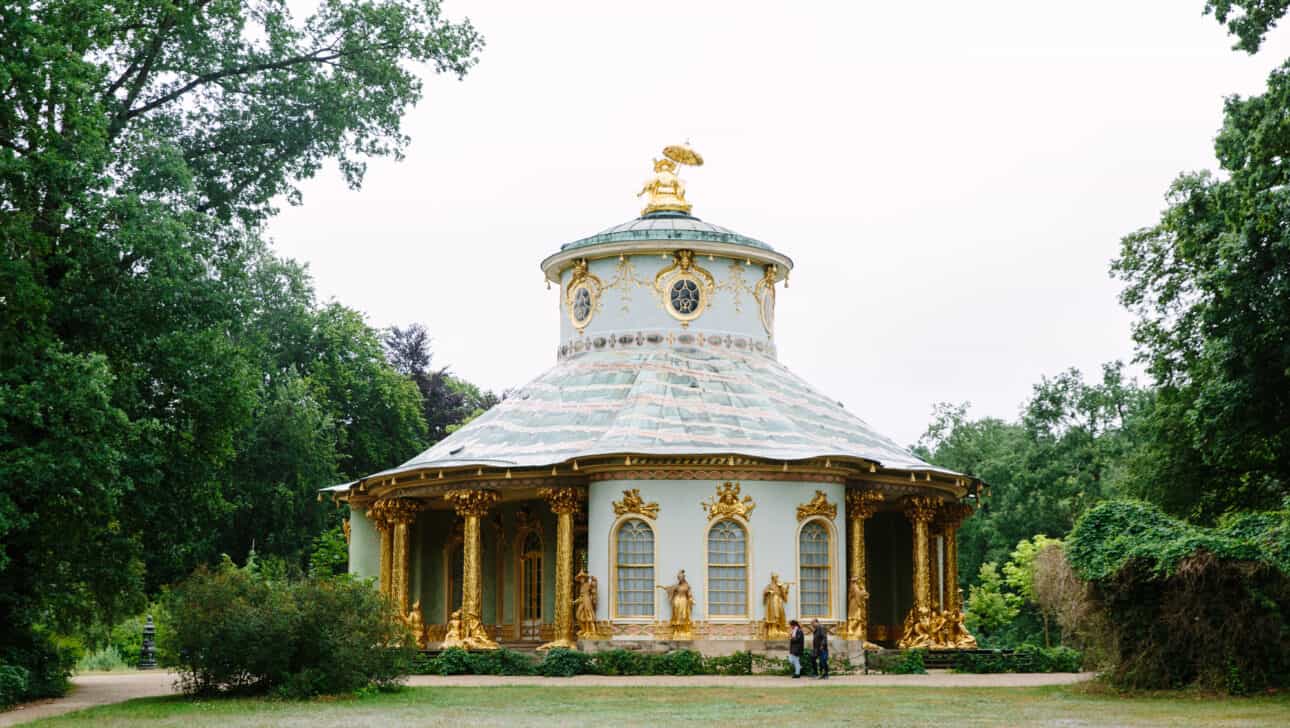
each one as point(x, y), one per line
point(683, 154)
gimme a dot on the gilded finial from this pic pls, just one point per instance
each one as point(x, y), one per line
point(666, 190)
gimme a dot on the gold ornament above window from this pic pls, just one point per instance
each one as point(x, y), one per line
point(582, 295)
point(632, 502)
point(817, 506)
point(727, 503)
point(684, 287)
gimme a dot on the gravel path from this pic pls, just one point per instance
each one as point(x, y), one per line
point(91, 690)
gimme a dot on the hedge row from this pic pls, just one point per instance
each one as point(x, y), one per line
point(567, 663)
point(1025, 659)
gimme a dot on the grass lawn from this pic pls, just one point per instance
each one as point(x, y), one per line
point(1080, 705)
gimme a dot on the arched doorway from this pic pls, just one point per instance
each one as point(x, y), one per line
point(531, 587)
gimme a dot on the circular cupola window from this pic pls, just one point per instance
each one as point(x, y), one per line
point(581, 305)
point(685, 298)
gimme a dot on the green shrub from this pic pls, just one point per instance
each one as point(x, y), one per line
point(905, 662)
point(13, 684)
point(739, 663)
point(621, 662)
point(560, 662)
point(1027, 658)
point(1177, 604)
point(677, 662)
point(104, 660)
point(500, 662)
point(246, 630)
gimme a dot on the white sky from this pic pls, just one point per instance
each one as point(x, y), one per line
point(952, 179)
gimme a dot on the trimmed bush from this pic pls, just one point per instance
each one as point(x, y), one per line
point(677, 662)
point(241, 631)
point(621, 662)
point(1026, 659)
point(561, 662)
point(739, 663)
point(905, 662)
point(500, 662)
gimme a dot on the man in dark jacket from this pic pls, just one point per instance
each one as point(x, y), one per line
point(820, 648)
point(796, 642)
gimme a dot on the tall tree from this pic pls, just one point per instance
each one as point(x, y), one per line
point(142, 144)
point(446, 400)
point(1209, 284)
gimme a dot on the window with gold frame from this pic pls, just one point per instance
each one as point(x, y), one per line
point(634, 569)
point(814, 570)
point(727, 569)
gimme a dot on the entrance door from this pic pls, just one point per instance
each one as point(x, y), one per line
point(531, 587)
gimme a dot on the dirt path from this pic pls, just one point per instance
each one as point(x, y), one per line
point(91, 690)
point(936, 679)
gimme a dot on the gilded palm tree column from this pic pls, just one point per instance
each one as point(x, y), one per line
point(861, 505)
point(378, 514)
point(564, 503)
point(934, 566)
point(951, 516)
point(402, 513)
point(921, 510)
point(466, 629)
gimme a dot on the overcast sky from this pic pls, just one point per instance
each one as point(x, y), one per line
point(951, 179)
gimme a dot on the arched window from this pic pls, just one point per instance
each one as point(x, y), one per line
point(813, 569)
point(531, 586)
point(634, 590)
point(727, 570)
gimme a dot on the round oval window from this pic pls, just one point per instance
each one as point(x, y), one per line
point(581, 305)
point(685, 297)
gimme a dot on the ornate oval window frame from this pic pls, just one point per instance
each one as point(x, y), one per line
point(582, 280)
point(700, 306)
point(684, 269)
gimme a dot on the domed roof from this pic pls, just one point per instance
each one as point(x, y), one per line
point(666, 226)
point(664, 401)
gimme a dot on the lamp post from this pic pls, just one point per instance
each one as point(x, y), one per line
point(148, 652)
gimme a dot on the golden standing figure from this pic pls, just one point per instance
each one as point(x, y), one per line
point(775, 595)
point(586, 603)
point(666, 191)
point(858, 613)
point(682, 600)
point(416, 623)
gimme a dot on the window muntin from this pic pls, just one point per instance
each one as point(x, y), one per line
point(813, 569)
point(727, 570)
point(634, 590)
point(685, 297)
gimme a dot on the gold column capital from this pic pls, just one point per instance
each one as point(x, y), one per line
point(922, 509)
point(952, 514)
point(863, 504)
point(469, 502)
point(562, 500)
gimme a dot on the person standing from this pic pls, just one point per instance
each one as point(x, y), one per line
point(820, 649)
point(796, 642)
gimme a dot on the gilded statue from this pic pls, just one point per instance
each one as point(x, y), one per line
point(680, 596)
point(453, 636)
point(416, 624)
point(858, 613)
point(585, 604)
point(666, 191)
point(775, 596)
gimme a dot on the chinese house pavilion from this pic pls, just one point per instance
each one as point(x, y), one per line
point(668, 480)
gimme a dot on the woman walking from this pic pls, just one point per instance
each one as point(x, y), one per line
point(796, 642)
